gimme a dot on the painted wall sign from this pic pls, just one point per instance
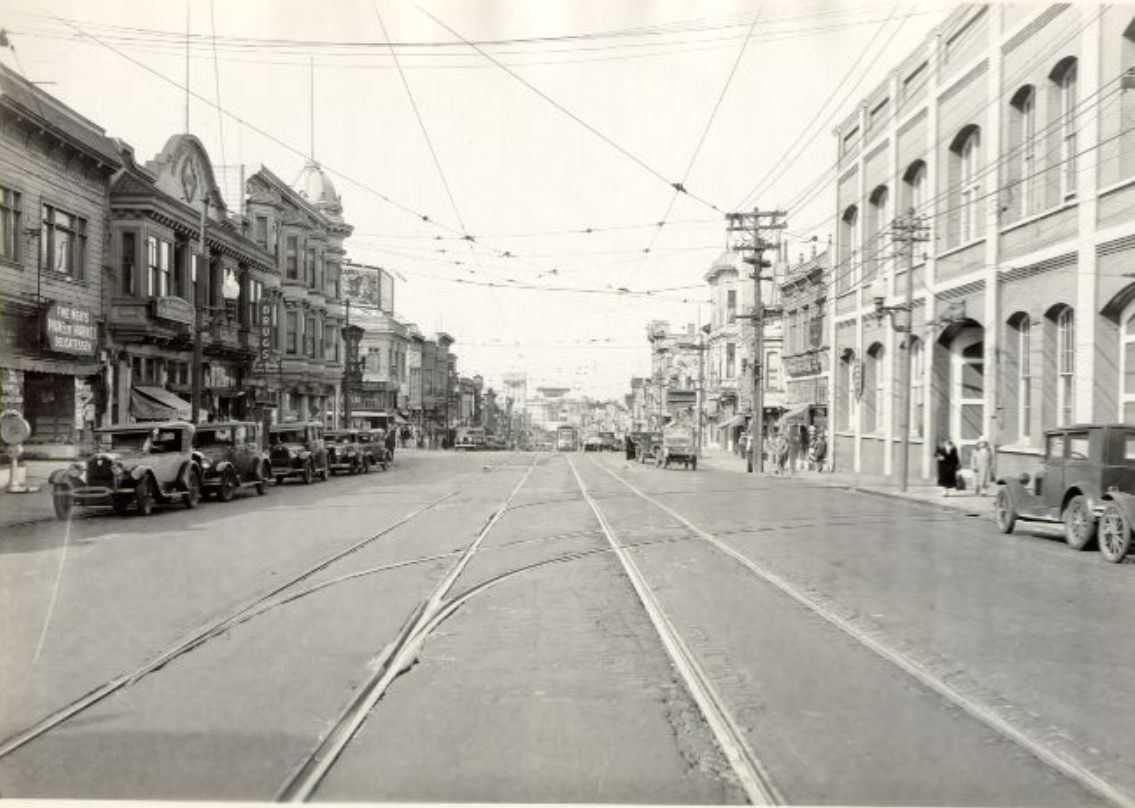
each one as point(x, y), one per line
point(264, 334)
point(174, 309)
point(70, 329)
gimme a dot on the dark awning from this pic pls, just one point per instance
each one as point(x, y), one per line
point(398, 419)
point(735, 421)
point(158, 404)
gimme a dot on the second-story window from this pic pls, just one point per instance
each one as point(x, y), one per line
point(128, 281)
point(291, 258)
point(10, 233)
point(309, 336)
point(260, 231)
point(63, 243)
point(967, 156)
point(848, 273)
point(730, 305)
point(730, 360)
point(1024, 114)
point(291, 332)
point(309, 267)
point(157, 259)
point(1066, 81)
point(880, 225)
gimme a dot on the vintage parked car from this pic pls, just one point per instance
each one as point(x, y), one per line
point(373, 444)
point(136, 465)
point(344, 451)
point(1087, 481)
point(232, 456)
point(678, 447)
point(297, 450)
point(592, 443)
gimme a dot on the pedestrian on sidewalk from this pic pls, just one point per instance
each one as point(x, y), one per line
point(629, 448)
point(793, 447)
point(391, 441)
point(981, 462)
point(779, 451)
point(947, 457)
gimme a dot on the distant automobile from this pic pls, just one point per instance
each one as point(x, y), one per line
point(232, 456)
point(372, 443)
point(1087, 481)
point(297, 450)
point(609, 443)
point(344, 452)
point(136, 465)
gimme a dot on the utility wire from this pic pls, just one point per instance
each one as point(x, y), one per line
point(217, 82)
point(677, 186)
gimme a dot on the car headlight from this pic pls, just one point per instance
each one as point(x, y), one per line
point(293, 454)
point(206, 463)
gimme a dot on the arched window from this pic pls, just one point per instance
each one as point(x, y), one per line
point(873, 394)
point(914, 183)
point(848, 278)
point(1127, 378)
point(878, 226)
point(970, 186)
point(1064, 78)
point(1023, 145)
point(1024, 377)
point(1065, 365)
point(917, 388)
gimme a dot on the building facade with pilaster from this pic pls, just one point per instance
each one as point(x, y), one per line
point(1008, 131)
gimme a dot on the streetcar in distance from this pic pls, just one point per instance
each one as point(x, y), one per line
point(567, 439)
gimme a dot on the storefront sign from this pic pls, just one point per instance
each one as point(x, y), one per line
point(857, 378)
point(70, 329)
point(174, 309)
point(803, 365)
point(264, 335)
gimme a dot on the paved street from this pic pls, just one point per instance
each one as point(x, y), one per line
point(563, 627)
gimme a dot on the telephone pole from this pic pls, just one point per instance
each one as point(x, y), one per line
point(199, 286)
point(908, 230)
point(749, 229)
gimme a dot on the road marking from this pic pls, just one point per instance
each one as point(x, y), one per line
point(751, 775)
point(1069, 766)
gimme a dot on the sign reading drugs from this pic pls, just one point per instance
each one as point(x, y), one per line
point(70, 329)
point(264, 333)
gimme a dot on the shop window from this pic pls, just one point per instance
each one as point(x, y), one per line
point(845, 392)
point(63, 243)
point(10, 232)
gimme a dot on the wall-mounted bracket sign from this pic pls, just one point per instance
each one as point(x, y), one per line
point(70, 329)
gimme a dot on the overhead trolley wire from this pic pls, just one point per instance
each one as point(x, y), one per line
point(701, 141)
point(677, 186)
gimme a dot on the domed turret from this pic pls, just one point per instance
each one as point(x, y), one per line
point(315, 186)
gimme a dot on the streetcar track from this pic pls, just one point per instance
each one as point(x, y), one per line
point(390, 663)
point(750, 773)
point(1066, 764)
point(215, 627)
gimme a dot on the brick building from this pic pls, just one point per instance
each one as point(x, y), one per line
point(54, 189)
point(807, 349)
point(1005, 130)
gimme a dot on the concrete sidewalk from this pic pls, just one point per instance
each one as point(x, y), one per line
point(918, 490)
point(22, 509)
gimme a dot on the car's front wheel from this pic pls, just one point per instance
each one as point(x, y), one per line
point(192, 496)
point(1003, 511)
point(63, 501)
point(229, 485)
point(144, 496)
point(1115, 533)
point(308, 473)
point(1079, 526)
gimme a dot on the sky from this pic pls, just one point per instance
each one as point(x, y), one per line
point(509, 160)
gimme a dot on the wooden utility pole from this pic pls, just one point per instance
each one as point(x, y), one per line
point(749, 227)
point(198, 305)
point(908, 230)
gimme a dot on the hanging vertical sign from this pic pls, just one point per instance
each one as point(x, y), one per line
point(264, 334)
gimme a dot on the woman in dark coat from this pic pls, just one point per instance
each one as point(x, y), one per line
point(947, 457)
point(629, 447)
point(391, 442)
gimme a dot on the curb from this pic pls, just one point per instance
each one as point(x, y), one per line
point(938, 506)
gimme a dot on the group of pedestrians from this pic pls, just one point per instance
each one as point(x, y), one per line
point(796, 447)
point(949, 464)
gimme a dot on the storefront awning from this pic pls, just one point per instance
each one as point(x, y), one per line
point(398, 419)
point(799, 409)
point(158, 404)
point(735, 421)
